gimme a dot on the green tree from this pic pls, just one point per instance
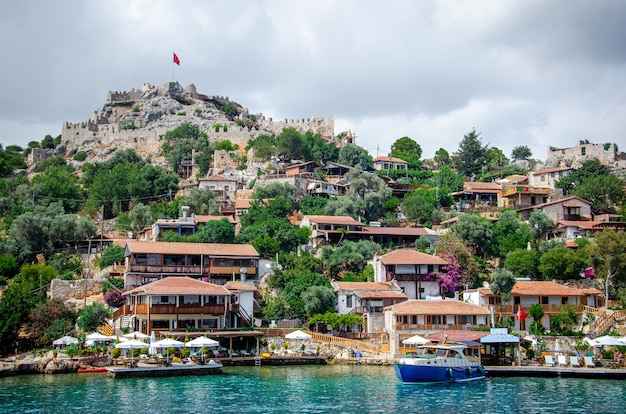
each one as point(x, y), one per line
point(471, 155)
point(295, 288)
point(561, 263)
point(474, 230)
point(140, 217)
point(313, 205)
point(536, 312)
point(92, 316)
point(605, 192)
point(588, 169)
point(442, 157)
point(61, 183)
point(407, 150)
point(216, 231)
point(523, 263)
point(201, 201)
point(502, 282)
point(182, 141)
point(112, 254)
point(521, 152)
point(290, 144)
point(607, 254)
point(42, 318)
point(353, 155)
point(540, 224)
point(263, 146)
point(318, 299)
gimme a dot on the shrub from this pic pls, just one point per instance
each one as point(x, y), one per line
point(114, 298)
point(182, 113)
point(80, 156)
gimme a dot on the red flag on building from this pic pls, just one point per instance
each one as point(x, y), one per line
point(176, 60)
point(521, 315)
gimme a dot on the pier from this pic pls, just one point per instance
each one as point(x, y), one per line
point(165, 371)
point(553, 372)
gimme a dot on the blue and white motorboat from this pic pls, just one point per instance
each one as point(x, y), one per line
point(439, 363)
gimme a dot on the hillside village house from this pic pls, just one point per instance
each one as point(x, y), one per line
point(476, 196)
point(550, 295)
point(410, 270)
point(428, 316)
point(519, 196)
point(569, 209)
point(175, 303)
point(186, 225)
point(368, 300)
point(547, 178)
point(219, 263)
point(330, 230)
point(390, 163)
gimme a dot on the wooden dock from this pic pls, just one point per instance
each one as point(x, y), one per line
point(165, 371)
point(563, 372)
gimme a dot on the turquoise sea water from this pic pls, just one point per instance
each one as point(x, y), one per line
point(305, 389)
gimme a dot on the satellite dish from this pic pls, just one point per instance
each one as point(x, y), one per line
point(485, 284)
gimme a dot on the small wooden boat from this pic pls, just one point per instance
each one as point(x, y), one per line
point(94, 370)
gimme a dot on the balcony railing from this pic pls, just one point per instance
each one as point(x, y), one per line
point(550, 308)
point(170, 309)
point(439, 327)
point(524, 190)
point(192, 270)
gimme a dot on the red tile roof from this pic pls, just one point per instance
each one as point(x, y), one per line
point(549, 203)
point(210, 249)
point(346, 220)
point(580, 224)
point(205, 219)
point(437, 307)
point(409, 256)
point(398, 231)
point(479, 187)
point(179, 285)
point(217, 178)
point(239, 285)
point(539, 288)
point(549, 170)
point(390, 159)
point(457, 335)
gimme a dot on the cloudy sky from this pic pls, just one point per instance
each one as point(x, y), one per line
point(521, 72)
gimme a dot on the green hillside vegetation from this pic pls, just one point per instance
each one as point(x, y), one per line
point(44, 216)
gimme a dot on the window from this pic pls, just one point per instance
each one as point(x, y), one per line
point(349, 301)
point(543, 177)
point(157, 324)
point(165, 299)
point(434, 319)
point(564, 300)
point(583, 151)
point(544, 300)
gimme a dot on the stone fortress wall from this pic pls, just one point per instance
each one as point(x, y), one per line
point(153, 111)
point(607, 154)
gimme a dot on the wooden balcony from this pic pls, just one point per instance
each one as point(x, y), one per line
point(173, 269)
point(524, 189)
point(170, 309)
point(435, 327)
point(509, 310)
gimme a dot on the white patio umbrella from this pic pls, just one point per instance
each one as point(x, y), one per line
point(65, 340)
point(96, 337)
point(416, 340)
point(136, 335)
point(132, 344)
point(202, 342)
point(168, 343)
point(608, 341)
point(298, 335)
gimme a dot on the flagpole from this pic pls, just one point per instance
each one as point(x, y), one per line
point(173, 67)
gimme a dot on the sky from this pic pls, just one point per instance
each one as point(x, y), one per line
point(519, 72)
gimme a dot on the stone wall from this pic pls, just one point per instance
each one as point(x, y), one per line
point(70, 289)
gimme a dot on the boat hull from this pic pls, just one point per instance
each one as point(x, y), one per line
point(411, 374)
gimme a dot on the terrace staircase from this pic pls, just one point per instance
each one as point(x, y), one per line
point(605, 320)
point(106, 329)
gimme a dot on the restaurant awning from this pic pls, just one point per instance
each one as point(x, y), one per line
point(499, 336)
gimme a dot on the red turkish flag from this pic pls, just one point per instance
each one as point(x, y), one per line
point(521, 315)
point(176, 60)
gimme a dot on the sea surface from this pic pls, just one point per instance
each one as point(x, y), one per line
point(305, 389)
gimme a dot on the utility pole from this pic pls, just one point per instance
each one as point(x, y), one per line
point(87, 272)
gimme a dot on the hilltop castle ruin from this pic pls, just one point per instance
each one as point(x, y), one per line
point(139, 119)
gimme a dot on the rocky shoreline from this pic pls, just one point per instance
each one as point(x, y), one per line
point(49, 364)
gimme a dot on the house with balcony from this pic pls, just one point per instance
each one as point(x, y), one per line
point(571, 208)
point(186, 225)
point(519, 196)
point(476, 196)
point(547, 178)
point(411, 270)
point(367, 299)
point(176, 303)
point(147, 262)
point(243, 304)
point(428, 316)
point(330, 230)
point(390, 163)
point(306, 169)
point(525, 293)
